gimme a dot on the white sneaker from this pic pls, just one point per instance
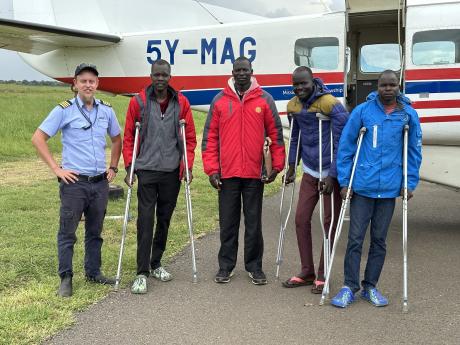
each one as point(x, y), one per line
point(139, 285)
point(161, 274)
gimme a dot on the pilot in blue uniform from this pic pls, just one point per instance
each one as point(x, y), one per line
point(84, 180)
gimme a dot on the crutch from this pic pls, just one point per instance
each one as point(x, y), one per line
point(188, 201)
point(404, 209)
point(283, 223)
point(326, 235)
point(343, 210)
point(128, 201)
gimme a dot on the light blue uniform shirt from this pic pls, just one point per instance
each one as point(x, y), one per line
point(83, 151)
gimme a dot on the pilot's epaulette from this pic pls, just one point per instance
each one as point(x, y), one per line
point(65, 104)
point(106, 103)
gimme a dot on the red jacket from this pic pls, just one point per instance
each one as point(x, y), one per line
point(235, 131)
point(133, 116)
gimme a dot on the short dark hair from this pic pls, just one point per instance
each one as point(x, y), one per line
point(161, 62)
point(242, 58)
point(388, 71)
point(303, 69)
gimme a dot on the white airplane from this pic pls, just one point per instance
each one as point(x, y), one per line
point(346, 43)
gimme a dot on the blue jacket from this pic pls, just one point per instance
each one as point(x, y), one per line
point(379, 171)
point(304, 115)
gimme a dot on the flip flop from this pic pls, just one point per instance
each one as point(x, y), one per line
point(317, 287)
point(296, 282)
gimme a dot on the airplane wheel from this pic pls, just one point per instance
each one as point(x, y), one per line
point(115, 191)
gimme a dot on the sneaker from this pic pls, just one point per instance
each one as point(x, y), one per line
point(161, 274)
point(374, 297)
point(139, 285)
point(100, 279)
point(223, 276)
point(258, 278)
point(343, 298)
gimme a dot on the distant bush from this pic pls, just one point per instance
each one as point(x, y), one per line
point(34, 82)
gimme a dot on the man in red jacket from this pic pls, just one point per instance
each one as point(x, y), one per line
point(239, 119)
point(159, 165)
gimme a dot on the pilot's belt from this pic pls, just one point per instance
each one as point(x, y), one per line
point(90, 179)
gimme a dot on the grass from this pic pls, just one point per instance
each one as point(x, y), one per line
point(30, 311)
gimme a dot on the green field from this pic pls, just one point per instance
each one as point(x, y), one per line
point(30, 311)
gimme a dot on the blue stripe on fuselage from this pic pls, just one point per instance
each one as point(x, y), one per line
point(437, 86)
point(279, 93)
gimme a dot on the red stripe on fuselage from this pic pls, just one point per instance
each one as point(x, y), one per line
point(448, 103)
point(134, 84)
point(432, 74)
point(440, 118)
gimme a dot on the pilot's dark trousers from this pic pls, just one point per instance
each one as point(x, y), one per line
point(235, 191)
point(79, 198)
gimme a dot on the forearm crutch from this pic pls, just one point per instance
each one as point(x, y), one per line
point(128, 201)
point(343, 210)
point(404, 209)
point(326, 234)
point(283, 222)
point(188, 201)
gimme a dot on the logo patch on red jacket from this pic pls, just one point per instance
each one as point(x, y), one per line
point(258, 110)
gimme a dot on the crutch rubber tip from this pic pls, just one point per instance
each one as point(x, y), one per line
point(195, 279)
point(405, 308)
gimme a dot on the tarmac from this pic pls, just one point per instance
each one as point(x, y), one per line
point(180, 312)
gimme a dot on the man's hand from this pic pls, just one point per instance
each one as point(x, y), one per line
point(190, 175)
point(271, 177)
point(343, 193)
point(215, 181)
point(290, 175)
point(67, 176)
point(327, 186)
point(111, 175)
point(409, 194)
point(128, 171)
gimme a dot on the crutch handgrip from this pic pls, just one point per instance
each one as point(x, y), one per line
point(322, 117)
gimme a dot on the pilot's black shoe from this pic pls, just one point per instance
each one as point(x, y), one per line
point(65, 289)
point(100, 279)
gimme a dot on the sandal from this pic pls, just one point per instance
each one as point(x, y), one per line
point(317, 287)
point(296, 281)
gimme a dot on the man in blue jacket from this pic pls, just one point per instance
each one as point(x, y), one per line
point(377, 182)
point(313, 97)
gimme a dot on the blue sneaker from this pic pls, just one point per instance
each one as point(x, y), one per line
point(343, 298)
point(374, 297)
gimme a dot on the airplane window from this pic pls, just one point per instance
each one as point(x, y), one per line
point(319, 53)
point(436, 47)
point(376, 58)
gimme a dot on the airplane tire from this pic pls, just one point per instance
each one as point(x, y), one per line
point(115, 192)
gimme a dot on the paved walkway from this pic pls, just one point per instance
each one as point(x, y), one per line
point(180, 312)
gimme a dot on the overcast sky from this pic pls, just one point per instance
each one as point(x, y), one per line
point(12, 66)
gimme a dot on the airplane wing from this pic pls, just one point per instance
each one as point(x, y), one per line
point(27, 37)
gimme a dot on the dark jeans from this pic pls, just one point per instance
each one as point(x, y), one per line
point(362, 211)
point(160, 189)
point(308, 199)
point(80, 198)
point(233, 191)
